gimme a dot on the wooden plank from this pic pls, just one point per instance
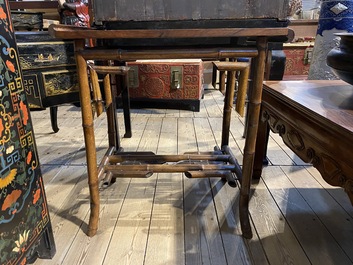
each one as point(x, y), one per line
point(277, 238)
point(92, 250)
point(49, 174)
point(138, 125)
point(336, 192)
point(238, 250)
point(202, 237)
point(67, 213)
point(227, 205)
point(296, 160)
point(166, 234)
point(317, 242)
point(237, 131)
point(70, 138)
point(276, 154)
point(216, 125)
point(172, 113)
point(226, 201)
point(338, 222)
point(60, 186)
point(187, 113)
point(203, 111)
point(129, 240)
point(211, 105)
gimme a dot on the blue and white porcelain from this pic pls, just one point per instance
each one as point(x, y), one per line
point(335, 17)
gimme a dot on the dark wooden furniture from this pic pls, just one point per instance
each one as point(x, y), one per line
point(314, 119)
point(48, 64)
point(33, 4)
point(108, 165)
point(25, 228)
point(49, 71)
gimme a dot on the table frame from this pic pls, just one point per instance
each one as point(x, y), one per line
point(261, 35)
point(314, 121)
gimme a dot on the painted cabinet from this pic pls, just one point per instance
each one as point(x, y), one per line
point(25, 228)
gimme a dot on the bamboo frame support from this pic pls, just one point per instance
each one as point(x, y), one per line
point(167, 168)
point(131, 174)
point(224, 174)
point(238, 171)
point(104, 162)
point(144, 54)
point(249, 149)
point(107, 90)
point(232, 67)
point(88, 130)
point(97, 96)
point(166, 158)
point(82, 54)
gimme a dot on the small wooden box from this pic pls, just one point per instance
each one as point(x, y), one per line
point(298, 56)
point(176, 82)
point(49, 69)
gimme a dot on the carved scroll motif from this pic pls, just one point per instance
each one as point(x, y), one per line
point(348, 186)
point(332, 170)
point(296, 140)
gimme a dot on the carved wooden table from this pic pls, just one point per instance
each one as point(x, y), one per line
point(96, 173)
point(315, 120)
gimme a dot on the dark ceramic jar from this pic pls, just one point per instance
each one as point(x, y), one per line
point(340, 59)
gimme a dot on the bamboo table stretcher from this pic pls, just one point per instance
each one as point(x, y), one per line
point(117, 163)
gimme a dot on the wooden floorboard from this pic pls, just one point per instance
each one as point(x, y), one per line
point(297, 218)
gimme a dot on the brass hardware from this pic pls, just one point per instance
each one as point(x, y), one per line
point(133, 77)
point(308, 54)
point(176, 77)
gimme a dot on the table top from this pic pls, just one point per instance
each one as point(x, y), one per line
point(331, 99)
point(73, 32)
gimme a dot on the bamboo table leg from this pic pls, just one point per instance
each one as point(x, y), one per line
point(88, 131)
point(232, 68)
point(249, 149)
point(126, 106)
point(228, 107)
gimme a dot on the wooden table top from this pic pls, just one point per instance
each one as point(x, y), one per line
point(331, 99)
point(74, 32)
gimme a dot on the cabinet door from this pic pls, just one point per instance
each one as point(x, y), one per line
point(25, 230)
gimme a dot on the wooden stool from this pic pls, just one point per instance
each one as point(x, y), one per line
point(97, 97)
point(232, 67)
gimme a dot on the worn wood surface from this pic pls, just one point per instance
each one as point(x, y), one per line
point(296, 216)
point(138, 10)
point(72, 32)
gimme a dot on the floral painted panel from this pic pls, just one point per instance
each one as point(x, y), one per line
point(23, 209)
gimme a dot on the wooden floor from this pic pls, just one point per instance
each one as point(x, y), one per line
point(168, 219)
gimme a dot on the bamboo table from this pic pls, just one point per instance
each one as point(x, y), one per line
point(96, 173)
